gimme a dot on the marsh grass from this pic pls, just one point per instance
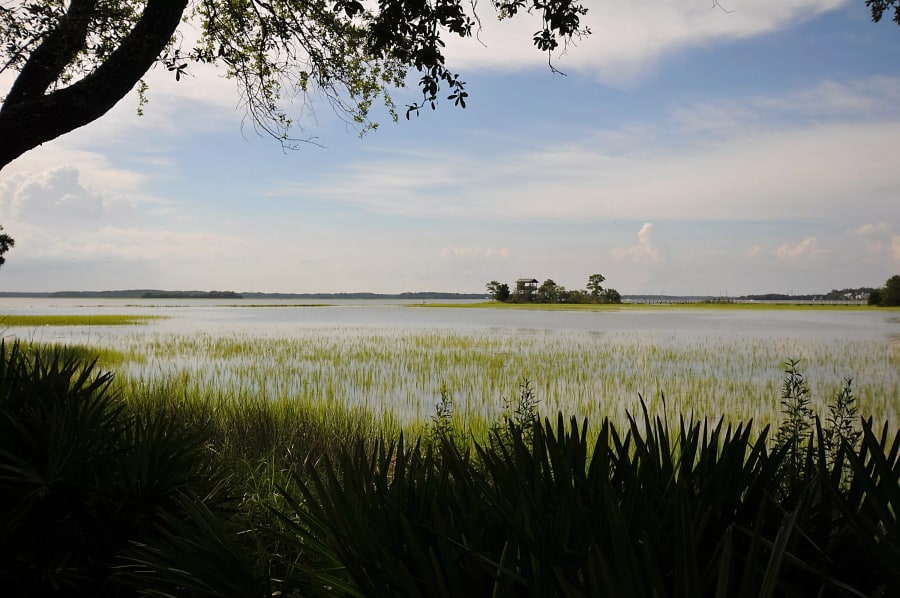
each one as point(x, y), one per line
point(111, 358)
point(247, 428)
point(397, 375)
point(11, 321)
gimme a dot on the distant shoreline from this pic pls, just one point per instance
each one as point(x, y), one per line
point(160, 294)
point(664, 305)
point(420, 296)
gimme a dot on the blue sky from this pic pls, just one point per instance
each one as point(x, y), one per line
point(687, 150)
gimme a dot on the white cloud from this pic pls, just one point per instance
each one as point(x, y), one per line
point(58, 201)
point(877, 241)
point(54, 197)
point(805, 249)
point(629, 38)
point(645, 252)
point(827, 101)
point(815, 170)
point(867, 230)
point(756, 251)
point(53, 215)
point(474, 253)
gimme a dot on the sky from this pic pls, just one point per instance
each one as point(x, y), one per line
point(687, 149)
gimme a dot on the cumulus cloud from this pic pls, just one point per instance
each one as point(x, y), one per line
point(756, 251)
point(474, 253)
point(54, 215)
point(645, 252)
point(57, 202)
point(52, 197)
point(880, 228)
point(807, 248)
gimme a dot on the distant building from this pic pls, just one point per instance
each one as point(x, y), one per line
point(526, 287)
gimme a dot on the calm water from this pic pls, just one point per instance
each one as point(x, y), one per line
point(394, 357)
point(284, 317)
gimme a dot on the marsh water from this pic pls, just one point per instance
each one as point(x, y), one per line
point(269, 317)
point(394, 357)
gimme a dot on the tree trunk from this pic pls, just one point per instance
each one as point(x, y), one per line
point(30, 116)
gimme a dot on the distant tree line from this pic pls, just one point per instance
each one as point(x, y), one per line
point(857, 294)
point(158, 294)
point(190, 295)
point(889, 295)
point(849, 294)
point(527, 290)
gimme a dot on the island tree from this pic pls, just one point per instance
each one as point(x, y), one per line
point(594, 285)
point(890, 294)
point(6, 243)
point(550, 292)
point(887, 296)
point(74, 60)
point(527, 291)
point(498, 291)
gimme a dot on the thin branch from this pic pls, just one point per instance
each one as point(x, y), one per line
point(716, 4)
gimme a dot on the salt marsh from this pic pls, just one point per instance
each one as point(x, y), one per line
point(392, 359)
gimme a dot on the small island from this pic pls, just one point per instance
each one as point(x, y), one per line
point(528, 290)
point(191, 295)
point(130, 294)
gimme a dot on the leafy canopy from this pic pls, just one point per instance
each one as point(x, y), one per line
point(6, 243)
point(890, 295)
point(75, 59)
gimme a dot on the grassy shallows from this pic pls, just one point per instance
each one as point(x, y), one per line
point(399, 373)
point(9, 321)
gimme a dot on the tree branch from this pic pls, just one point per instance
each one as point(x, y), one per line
point(55, 52)
point(26, 122)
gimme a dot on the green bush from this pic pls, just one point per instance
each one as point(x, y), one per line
point(547, 509)
point(81, 477)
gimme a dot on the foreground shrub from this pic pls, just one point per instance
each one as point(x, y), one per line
point(81, 477)
point(698, 510)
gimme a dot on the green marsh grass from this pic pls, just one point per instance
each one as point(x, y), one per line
point(9, 321)
point(397, 374)
point(249, 428)
point(111, 358)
